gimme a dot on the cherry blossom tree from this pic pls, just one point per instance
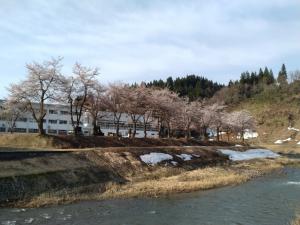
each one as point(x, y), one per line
point(165, 108)
point(134, 104)
point(95, 105)
point(11, 112)
point(40, 86)
point(216, 117)
point(241, 121)
point(115, 103)
point(148, 109)
point(188, 113)
point(76, 89)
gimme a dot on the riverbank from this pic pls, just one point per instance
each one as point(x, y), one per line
point(40, 178)
point(164, 182)
point(35, 141)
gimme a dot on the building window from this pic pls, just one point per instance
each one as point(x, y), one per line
point(18, 130)
point(2, 129)
point(62, 132)
point(63, 122)
point(44, 121)
point(52, 111)
point(22, 119)
point(64, 112)
point(50, 131)
point(33, 130)
point(52, 121)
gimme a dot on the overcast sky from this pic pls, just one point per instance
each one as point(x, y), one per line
point(139, 40)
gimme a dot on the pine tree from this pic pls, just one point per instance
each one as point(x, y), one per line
point(282, 77)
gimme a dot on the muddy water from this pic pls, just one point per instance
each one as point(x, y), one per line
point(269, 200)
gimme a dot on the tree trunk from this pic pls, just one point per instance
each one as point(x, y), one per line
point(242, 136)
point(205, 133)
point(134, 129)
point(41, 127)
point(95, 128)
point(145, 130)
point(169, 130)
point(187, 133)
point(117, 129)
point(218, 134)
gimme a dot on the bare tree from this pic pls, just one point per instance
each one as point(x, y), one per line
point(76, 89)
point(40, 86)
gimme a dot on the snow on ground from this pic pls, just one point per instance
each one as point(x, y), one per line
point(185, 157)
point(293, 128)
point(174, 163)
point(249, 154)
point(298, 143)
point(282, 141)
point(155, 157)
point(238, 145)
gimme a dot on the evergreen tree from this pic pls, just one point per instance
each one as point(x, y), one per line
point(170, 83)
point(282, 77)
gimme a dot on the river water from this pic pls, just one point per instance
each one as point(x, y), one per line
point(270, 200)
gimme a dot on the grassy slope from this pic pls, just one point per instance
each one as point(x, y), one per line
point(271, 112)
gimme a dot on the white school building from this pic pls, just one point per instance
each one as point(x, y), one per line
point(58, 122)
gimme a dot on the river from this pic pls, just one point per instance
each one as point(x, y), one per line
point(270, 200)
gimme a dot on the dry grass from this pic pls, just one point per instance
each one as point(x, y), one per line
point(200, 179)
point(165, 182)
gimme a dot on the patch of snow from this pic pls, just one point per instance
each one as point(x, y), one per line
point(238, 145)
point(298, 143)
point(185, 157)
point(211, 139)
point(174, 163)
point(155, 157)
point(294, 129)
point(196, 155)
point(249, 154)
point(278, 142)
point(282, 141)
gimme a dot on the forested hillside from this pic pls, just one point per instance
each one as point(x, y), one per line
point(272, 98)
point(192, 86)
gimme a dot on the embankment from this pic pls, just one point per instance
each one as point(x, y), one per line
point(69, 175)
point(34, 141)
